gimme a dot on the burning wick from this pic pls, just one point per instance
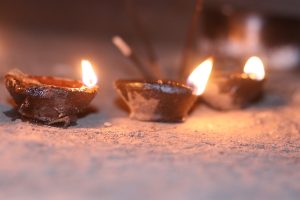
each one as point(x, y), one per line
point(237, 90)
point(254, 68)
point(164, 100)
point(89, 77)
point(199, 77)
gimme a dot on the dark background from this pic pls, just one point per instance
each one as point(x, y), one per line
point(54, 35)
point(165, 19)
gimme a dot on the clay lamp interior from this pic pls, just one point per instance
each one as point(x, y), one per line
point(52, 100)
point(237, 91)
point(164, 101)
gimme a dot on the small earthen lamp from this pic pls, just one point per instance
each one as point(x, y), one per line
point(237, 91)
point(164, 100)
point(51, 100)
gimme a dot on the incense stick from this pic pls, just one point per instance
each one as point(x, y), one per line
point(190, 39)
point(129, 53)
point(141, 32)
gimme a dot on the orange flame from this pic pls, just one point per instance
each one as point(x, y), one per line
point(89, 77)
point(254, 67)
point(199, 77)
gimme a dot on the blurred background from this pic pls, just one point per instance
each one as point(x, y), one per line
point(239, 154)
point(51, 37)
point(105, 17)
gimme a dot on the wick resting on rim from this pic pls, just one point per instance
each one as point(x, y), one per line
point(141, 32)
point(190, 40)
point(129, 53)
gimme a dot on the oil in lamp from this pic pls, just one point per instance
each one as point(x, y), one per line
point(236, 91)
point(164, 100)
point(52, 100)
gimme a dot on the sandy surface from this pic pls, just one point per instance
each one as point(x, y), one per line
point(244, 154)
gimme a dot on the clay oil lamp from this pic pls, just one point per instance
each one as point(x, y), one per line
point(52, 100)
point(236, 91)
point(154, 98)
point(164, 100)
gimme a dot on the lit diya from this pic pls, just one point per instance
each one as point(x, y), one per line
point(156, 99)
point(236, 91)
point(52, 100)
point(164, 101)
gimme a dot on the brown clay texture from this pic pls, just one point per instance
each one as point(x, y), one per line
point(164, 101)
point(48, 99)
point(233, 92)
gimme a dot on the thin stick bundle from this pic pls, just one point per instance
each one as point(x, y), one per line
point(154, 72)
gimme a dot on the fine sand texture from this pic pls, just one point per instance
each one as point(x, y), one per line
point(243, 154)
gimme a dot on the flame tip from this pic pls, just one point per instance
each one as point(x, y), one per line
point(89, 77)
point(199, 77)
point(254, 67)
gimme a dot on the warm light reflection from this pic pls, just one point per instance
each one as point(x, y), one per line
point(254, 67)
point(89, 77)
point(199, 77)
